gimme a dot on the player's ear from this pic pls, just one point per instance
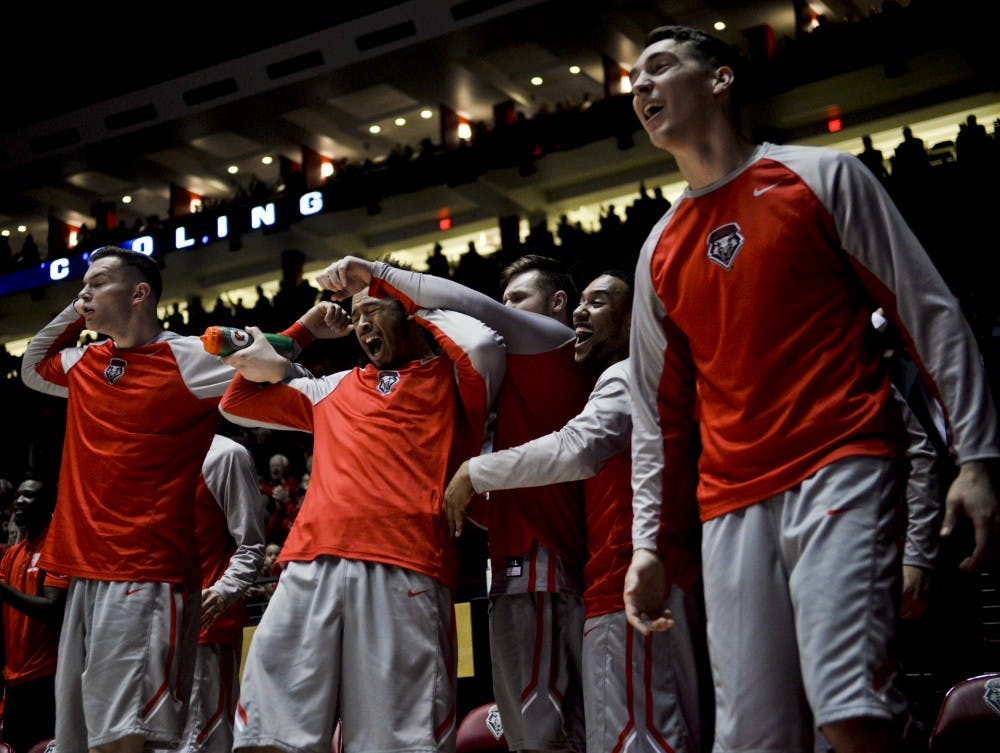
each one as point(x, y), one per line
point(722, 80)
point(141, 292)
point(558, 301)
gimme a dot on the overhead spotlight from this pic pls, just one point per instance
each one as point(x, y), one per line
point(22, 228)
point(537, 80)
point(232, 169)
point(126, 199)
point(375, 129)
point(267, 159)
point(426, 114)
point(400, 121)
point(719, 26)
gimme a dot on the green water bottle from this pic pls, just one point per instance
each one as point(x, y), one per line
point(224, 341)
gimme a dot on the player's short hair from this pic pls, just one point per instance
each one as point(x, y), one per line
point(144, 265)
point(625, 275)
point(553, 274)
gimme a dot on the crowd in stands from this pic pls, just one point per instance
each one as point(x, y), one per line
point(516, 138)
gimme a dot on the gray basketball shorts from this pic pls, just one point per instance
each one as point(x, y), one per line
point(372, 645)
point(801, 594)
point(209, 727)
point(641, 693)
point(536, 649)
point(126, 659)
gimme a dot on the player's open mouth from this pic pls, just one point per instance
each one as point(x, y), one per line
point(649, 110)
point(582, 335)
point(374, 346)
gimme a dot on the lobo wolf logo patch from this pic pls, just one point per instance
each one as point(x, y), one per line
point(116, 367)
point(724, 243)
point(387, 380)
point(991, 694)
point(493, 722)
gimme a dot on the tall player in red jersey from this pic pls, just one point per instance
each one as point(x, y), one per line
point(751, 314)
point(366, 591)
point(142, 411)
point(536, 537)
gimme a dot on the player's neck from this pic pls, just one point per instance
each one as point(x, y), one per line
point(713, 156)
point(138, 330)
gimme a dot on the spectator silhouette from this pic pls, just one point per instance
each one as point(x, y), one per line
point(437, 262)
point(910, 162)
point(30, 254)
point(295, 295)
point(873, 159)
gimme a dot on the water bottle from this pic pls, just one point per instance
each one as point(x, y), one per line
point(224, 341)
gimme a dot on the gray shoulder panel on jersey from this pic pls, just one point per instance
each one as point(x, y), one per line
point(203, 373)
point(39, 345)
point(876, 236)
point(484, 347)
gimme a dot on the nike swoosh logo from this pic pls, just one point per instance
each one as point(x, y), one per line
point(411, 594)
point(765, 189)
point(131, 591)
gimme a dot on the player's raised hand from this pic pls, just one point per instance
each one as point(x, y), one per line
point(346, 276)
point(327, 321)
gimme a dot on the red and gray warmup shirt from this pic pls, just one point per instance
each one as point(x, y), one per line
point(542, 390)
point(138, 424)
point(385, 443)
point(751, 315)
point(230, 534)
point(593, 446)
point(30, 646)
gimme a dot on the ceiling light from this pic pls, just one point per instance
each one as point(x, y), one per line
point(5, 233)
point(22, 228)
point(126, 199)
point(426, 114)
point(719, 26)
point(537, 81)
point(267, 159)
point(232, 169)
point(400, 121)
point(375, 129)
point(574, 69)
